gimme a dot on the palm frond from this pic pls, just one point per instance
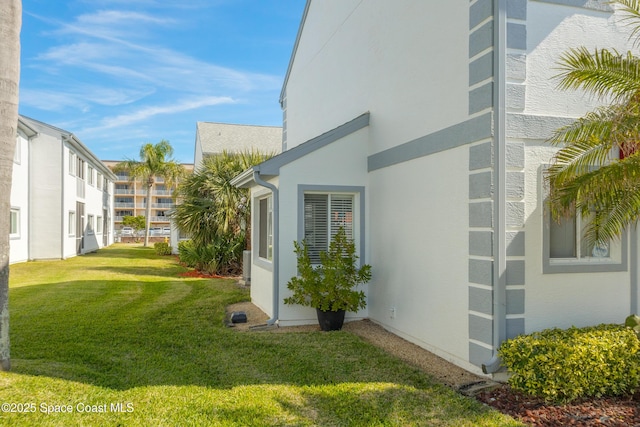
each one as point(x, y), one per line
point(604, 73)
point(631, 18)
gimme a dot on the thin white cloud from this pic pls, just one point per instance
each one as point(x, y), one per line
point(81, 97)
point(119, 17)
point(148, 112)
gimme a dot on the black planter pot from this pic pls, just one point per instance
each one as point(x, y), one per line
point(330, 320)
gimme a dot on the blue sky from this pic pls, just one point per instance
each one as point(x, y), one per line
point(121, 73)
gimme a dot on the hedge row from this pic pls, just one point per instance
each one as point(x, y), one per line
point(564, 365)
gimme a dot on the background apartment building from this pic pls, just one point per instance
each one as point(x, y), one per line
point(130, 198)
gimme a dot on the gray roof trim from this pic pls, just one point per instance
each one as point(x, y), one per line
point(463, 133)
point(245, 179)
point(24, 127)
point(294, 50)
point(273, 165)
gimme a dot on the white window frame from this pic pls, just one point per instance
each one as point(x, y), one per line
point(99, 224)
point(72, 223)
point(90, 179)
point(14, 223)
point(72, 163)
point(99, 180)
point(616, 259)
point(17, 154)
point(357, 213)
point(90, 224)
point(265, 227)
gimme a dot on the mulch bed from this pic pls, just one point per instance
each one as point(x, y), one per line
point(613, 411)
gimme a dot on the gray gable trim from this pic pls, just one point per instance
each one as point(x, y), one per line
point(585, 4)
point(295, 49)
point(454, 136)
point(272, 166)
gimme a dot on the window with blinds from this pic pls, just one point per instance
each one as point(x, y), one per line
point(265, 226)
point(324, 215)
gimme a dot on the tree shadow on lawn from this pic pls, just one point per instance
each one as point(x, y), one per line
point(122, 335)
point(120, 250)
point(149, 270)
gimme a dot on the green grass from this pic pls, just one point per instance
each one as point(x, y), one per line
point(120, 333)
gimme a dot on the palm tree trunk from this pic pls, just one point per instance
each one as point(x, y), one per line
point(10, 24)
point(148, 212)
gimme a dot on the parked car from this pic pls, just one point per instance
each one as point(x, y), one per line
point(166, 231)
point(155, 231)
point(126, 231)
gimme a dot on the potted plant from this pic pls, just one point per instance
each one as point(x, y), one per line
point(330, 286)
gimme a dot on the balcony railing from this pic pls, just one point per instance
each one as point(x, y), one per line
point(123, 205)
point(124, 191)
point(160, 219)
point(163, 205)
point(162, 192)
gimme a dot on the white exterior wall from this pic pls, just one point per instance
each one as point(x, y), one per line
point(376, 56)
point(197, 158)
point(261, 272)
point(408, 63)
point(409, 68)
point(563, 300)
point(419, 243)
point(94, 204)
point(46, 200)
point(49, 193)
point(552, 29)
point(69, 193)
point(19, 246)
point(338, 164)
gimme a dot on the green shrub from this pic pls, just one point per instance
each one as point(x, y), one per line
point(162, 248)
point(330, 286)
point(223, 256)
point(564, 365)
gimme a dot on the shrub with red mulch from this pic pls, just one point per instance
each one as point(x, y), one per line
point(610, 411)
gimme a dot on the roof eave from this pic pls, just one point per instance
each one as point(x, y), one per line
point(245, 179)
point(294, 50)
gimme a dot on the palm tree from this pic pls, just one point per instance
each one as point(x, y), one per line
point(155, 161)
point(596, 173)
point(10, 24)
point(208, 204)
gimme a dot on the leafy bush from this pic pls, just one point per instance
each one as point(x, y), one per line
point(223, 256)
point(564, 365)
point(162, 248)
point(331, 285)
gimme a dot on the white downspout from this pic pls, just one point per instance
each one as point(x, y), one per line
point(276, 245)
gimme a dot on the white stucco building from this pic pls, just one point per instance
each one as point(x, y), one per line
point(420, 126)
point(61, 195)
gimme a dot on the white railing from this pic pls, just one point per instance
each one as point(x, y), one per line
point(159, 219)
point(124, 191)
point(124, 205)
point(163, 205)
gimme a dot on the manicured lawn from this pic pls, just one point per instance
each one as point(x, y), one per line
point(118, 338)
